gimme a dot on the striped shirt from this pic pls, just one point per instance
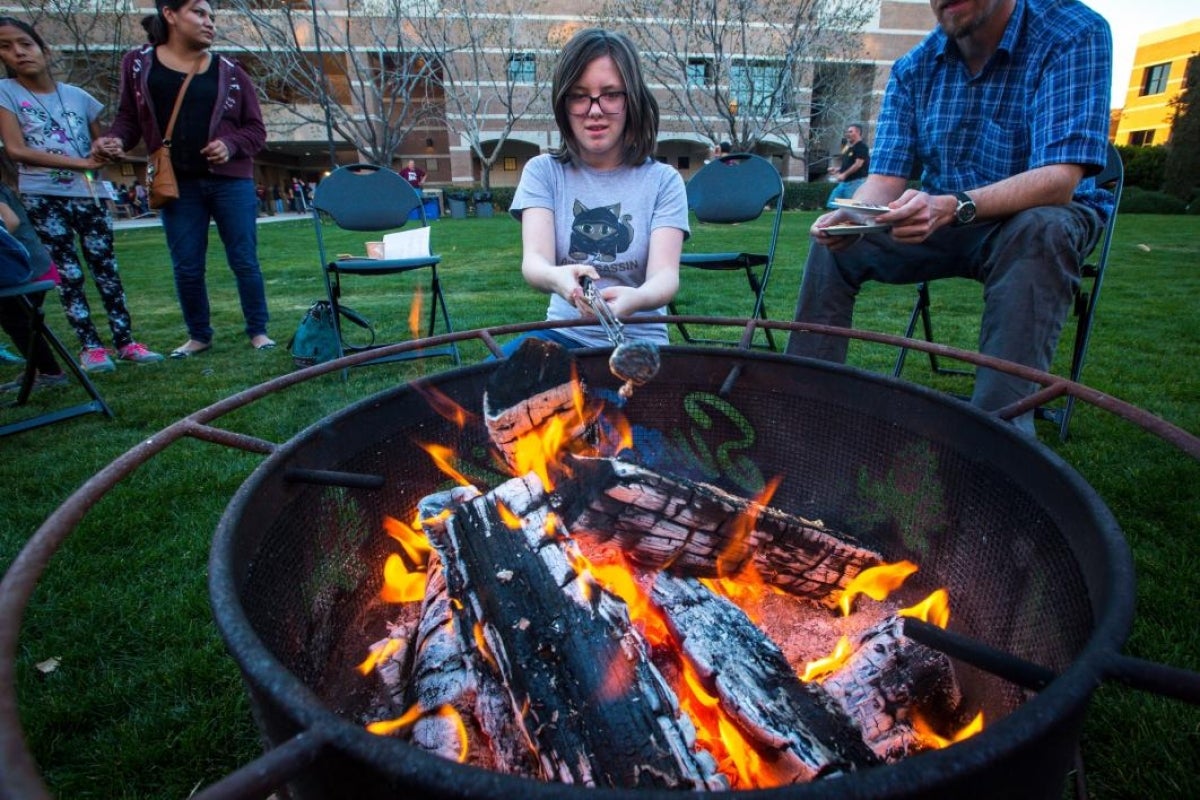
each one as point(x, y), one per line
point(1042, 98)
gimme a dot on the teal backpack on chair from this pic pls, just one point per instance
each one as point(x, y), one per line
point(316, 339)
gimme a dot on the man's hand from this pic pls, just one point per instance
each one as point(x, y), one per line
point(916, 215)
point(108, 148)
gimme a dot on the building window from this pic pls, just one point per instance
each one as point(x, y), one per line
point(510, 164)
point(683, 163)
point(699, 70)
point(1141, 138)
point(760, 87)
point(1154, 79)
point(522, 68)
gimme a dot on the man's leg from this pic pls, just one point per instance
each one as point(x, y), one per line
point(1030, 274)
point(832, 279)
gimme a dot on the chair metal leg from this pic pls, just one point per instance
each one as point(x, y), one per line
point(921, 312)
point(41, 331)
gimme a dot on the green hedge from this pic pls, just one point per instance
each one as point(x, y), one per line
point(1145, 167)
point(806, 196)
point(1135, 200)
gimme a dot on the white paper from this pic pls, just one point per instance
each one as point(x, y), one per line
point(407, 244)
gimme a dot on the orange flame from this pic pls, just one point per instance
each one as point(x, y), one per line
point(386, 727)
point(876, 583)
point(414, 542)
point(932, 740)
point(414, 314)
point(379, 655)
point(444, 457)
point(822, 668)
point(481, 645)
point(538, 451)
point(443, 406)
point(401, 584)
point(511, 520)
point(934, 609)
point(741, 529)
point(448, 712)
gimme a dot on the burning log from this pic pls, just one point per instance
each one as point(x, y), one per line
point(696, 529)
point(538, 383)
point(882, 682)
point(799, 734)
point(591, 705)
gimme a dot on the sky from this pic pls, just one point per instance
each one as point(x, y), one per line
point(1129, 19)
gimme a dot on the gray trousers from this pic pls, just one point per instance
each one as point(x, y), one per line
point(1028, 265)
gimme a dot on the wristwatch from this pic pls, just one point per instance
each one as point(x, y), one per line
point(965, 213)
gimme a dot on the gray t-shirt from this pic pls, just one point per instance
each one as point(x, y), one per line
point(59, 123)
point(604, 218)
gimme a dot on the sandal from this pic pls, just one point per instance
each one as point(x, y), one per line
point(266, 344)
point(190, 348)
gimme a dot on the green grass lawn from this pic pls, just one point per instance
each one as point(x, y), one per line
point(145, 702)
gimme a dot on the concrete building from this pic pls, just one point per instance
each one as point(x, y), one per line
point(1156, 79)
point(299, 147)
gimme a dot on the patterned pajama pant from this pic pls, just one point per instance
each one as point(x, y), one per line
point(58, 220)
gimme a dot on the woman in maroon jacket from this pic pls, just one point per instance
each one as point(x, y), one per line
point(217, 134)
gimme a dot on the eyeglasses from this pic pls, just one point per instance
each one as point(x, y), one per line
point(609, 102)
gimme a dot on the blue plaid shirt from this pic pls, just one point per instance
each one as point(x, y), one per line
point(1041, 99)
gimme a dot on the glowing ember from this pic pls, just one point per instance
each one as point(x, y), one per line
point(876, 583)
point(414, 314)
point(510, 520)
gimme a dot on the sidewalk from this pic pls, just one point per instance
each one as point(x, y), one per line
point(153, 221)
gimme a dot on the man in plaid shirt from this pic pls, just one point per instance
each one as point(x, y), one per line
point(1005, 108)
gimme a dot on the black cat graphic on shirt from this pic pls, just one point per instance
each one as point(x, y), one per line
point(601, 232)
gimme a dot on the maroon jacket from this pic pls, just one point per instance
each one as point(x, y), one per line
point(237, 117)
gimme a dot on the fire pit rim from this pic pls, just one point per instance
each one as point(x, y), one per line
point(1065, 696)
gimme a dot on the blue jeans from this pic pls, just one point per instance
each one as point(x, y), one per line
point(233, 205)
point(845, 190)
point(1028, 265)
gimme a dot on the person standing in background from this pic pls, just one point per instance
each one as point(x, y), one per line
point(217, 134)
point(47, 128)
point(856, 161)
point(413, 174)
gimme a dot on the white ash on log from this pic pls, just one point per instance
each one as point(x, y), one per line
point(885, 679)
point(592, 706)
point(801, 735)
point(447, 671)
point(695, 529)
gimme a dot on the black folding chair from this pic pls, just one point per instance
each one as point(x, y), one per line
point(1112, 177)
point(726, 191)
point(373, 199)
point(39, 332)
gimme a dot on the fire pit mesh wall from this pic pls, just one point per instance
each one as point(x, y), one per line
point(895, 466)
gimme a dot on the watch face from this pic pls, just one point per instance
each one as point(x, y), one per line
point(965, 213)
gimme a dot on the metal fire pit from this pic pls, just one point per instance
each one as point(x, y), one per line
point(1035, 563)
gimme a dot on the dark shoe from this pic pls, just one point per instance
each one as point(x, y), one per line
point(40, 381)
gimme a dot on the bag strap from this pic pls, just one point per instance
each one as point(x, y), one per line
point(179, 102)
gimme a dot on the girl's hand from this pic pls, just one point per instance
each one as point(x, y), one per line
point(569, 288)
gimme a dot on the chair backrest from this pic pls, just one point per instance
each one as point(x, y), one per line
point(734, 188)
point(367, 197)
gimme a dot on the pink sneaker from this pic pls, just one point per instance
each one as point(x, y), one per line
point(95, 359)
point(138, 353)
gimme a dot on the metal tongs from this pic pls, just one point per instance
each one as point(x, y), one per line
point(636, 363)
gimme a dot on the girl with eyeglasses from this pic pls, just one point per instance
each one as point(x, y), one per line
point(599, 206)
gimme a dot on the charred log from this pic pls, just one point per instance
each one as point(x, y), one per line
point(885, 680)
point(593, 708)
point(696, 529)
point(801, 735)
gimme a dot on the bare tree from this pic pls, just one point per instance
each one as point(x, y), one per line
point(357, 69)
point(490, 70)
point(90, 38)
point(752, 71)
